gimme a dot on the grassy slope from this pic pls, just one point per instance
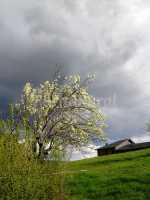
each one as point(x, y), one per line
point(115, 177)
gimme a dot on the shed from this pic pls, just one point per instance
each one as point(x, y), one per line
point(113, 147)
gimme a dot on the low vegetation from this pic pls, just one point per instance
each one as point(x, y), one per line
point(116, 177)
point(23, 177)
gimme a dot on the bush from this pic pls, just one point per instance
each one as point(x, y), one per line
point(24, 177)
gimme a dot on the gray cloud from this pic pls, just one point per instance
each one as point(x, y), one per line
point(109, 38)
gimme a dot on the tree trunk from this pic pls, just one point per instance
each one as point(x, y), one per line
point(38, 148)
point(40, 154)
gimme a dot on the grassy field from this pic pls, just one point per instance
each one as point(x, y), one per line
point(115, 177)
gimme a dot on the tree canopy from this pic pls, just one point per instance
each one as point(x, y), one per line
point(59, 113)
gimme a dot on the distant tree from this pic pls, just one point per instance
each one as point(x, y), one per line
point(58, 113)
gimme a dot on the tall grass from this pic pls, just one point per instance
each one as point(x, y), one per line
point(23, 177)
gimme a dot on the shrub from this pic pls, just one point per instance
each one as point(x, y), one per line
point(24, 177)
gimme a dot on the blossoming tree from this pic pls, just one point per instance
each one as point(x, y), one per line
point(57, 115)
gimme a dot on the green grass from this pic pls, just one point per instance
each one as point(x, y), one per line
point(123, 176)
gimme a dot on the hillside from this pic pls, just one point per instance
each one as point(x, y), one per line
point(114, 177)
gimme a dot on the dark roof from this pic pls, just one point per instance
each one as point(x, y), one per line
point(135, 146)
point(114, 144)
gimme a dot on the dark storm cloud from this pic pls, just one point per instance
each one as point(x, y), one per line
point(105, 37)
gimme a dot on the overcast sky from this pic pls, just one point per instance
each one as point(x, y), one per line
point(108, 37)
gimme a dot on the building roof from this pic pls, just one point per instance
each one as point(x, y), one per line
point(135, 146)
point(115, 144)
